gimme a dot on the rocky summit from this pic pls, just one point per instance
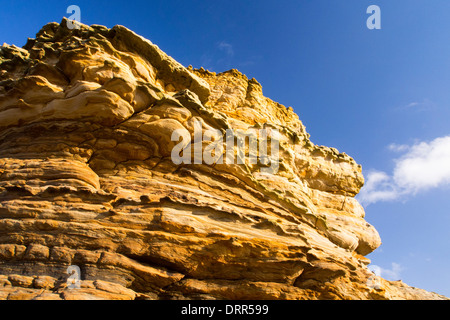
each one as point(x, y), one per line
point(92, 205)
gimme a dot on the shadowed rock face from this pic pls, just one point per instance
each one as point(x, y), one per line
point(86, 179)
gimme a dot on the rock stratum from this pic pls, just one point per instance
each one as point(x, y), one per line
point(87, 180)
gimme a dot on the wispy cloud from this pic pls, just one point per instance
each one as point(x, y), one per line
point(398, 147)
point(423, 105)
point(226, 47)
point(423, 166)
point(378, 187)
point(391, 274)
point(219, 57)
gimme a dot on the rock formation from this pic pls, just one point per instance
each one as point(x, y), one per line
point(87, 180)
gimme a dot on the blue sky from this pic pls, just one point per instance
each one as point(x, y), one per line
point(381, 96)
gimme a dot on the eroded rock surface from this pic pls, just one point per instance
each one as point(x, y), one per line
point(86, 179)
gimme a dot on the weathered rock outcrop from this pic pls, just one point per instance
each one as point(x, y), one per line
point(87, 179)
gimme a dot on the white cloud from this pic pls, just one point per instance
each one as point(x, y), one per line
point(226, 47)
point(378, 187)
point(391, 274)
point(423, 166)
point(423, 105)
point(398, 147)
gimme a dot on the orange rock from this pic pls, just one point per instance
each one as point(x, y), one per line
point(87, 179)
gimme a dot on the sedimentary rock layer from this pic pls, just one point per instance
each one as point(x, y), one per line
point(87, 180)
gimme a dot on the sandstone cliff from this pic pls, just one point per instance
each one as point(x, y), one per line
point(87, 180)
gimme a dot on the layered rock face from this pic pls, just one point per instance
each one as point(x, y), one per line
point(87, 180)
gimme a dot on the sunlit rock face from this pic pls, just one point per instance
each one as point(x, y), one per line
point(87, 179)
